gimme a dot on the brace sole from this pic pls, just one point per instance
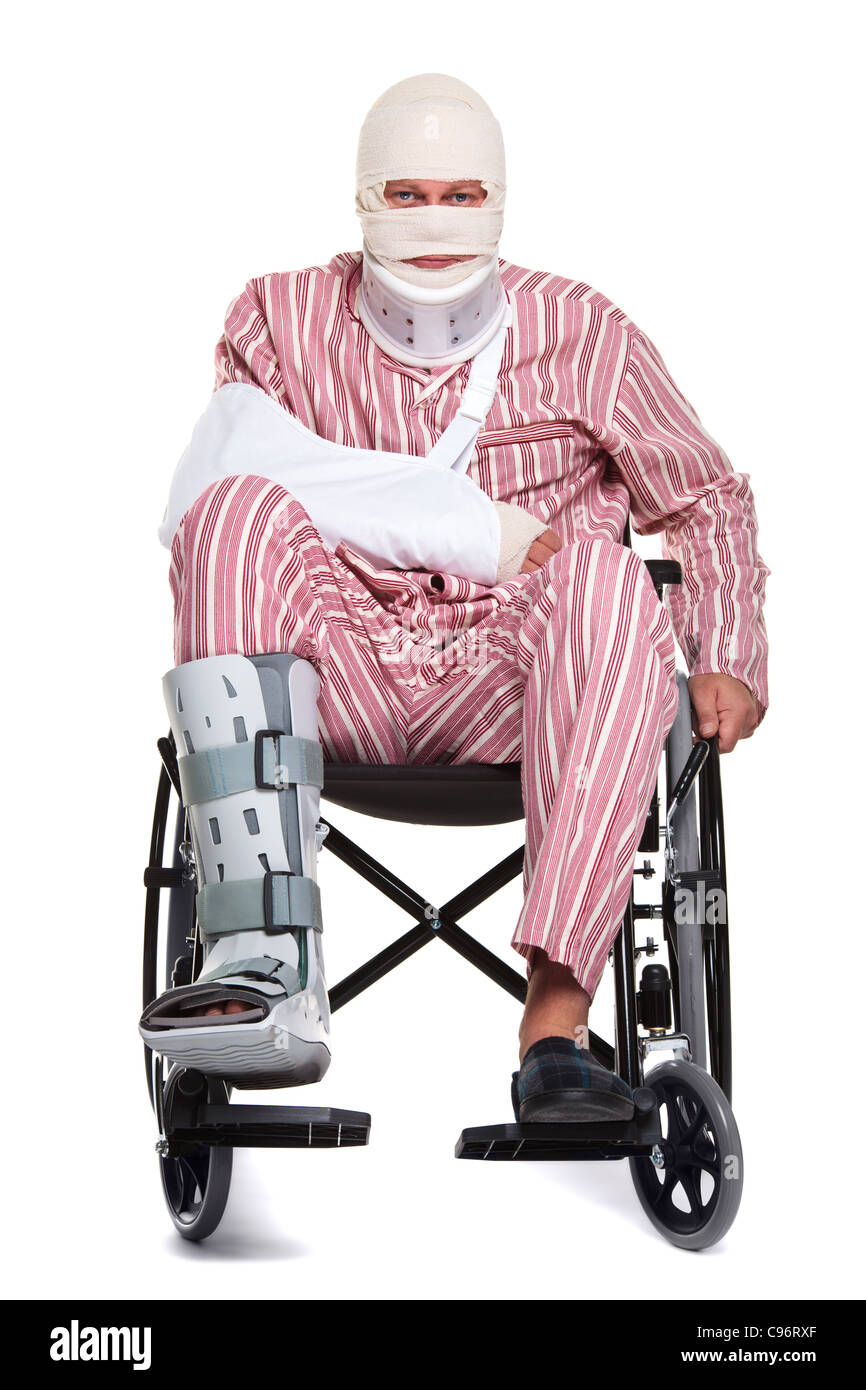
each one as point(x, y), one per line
point(249, 1055)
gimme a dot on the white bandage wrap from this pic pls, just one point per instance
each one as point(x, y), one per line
point(430, 127)
point(400, 234)
point(519, 529)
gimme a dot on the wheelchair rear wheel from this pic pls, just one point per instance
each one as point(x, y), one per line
point(196, 1181)
point(691, 1188)
point(698, 946)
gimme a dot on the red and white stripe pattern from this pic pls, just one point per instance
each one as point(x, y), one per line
point(587, 426)
point(569, 668)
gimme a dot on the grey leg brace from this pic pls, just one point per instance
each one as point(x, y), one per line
point(250, 767)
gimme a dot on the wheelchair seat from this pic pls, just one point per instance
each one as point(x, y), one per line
point(445, 793)
point(431, 794)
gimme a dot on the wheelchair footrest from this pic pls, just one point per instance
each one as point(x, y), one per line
point(561, 1142)
point(267, 1127)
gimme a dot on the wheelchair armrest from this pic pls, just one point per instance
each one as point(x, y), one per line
point(664, 572)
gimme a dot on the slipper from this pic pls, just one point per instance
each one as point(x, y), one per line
point(561, 1083)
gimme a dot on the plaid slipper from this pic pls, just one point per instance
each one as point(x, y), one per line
point(562, 1083)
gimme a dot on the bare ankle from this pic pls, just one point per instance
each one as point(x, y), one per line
point(556, 1005)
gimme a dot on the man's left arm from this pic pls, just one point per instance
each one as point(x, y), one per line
point(682, 484)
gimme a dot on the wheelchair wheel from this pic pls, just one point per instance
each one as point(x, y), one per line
point(699, 961)
point(196, 1184)
point(692, 1195)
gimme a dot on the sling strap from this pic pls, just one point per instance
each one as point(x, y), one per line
point(454, 447)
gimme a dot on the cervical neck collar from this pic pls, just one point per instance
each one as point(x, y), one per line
point(424, 326)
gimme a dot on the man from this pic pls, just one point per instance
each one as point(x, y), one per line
point(414, 477)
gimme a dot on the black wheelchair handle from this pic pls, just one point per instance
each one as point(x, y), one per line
point(695, 761)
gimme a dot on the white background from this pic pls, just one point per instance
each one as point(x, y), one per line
point(699, 165)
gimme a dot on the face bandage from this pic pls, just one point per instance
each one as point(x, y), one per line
point(430, 127)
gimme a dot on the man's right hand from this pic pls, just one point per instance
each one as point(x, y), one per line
point(541, 550)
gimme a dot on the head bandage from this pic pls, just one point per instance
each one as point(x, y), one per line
point(430, 127)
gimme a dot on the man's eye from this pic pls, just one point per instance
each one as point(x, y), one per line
point(461, 197)
point(405, 196)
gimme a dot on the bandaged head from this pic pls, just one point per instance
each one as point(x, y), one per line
point(431, 127)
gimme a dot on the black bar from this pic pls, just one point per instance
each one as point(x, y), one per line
point(674, 970)
point(168, 754)
point(370, 869)
point(451, 933)
point(717, 950)
point(484, 887)
point(829, 1327)
point(669, 925)
point(602, 1051)
point(400, 893)
point(181, 906)
point(151, 905)
point(379, 965)
point(649, 840)
point(627, 1054)
point(484, 960)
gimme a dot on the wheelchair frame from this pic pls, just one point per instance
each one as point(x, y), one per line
point(198, 1129)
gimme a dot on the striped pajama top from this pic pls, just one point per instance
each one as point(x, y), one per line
point(586, 430)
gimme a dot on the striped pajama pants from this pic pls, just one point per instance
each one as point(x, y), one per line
point(568, 669)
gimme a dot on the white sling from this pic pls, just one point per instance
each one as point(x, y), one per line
point(400, 511)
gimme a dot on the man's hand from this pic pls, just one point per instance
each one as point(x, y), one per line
point(540, 551)
point(723, 706)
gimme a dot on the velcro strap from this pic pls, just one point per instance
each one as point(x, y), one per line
point(266, 967)
point(272, 904)
point(272, 762)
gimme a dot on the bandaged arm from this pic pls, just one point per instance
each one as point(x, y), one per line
point(399, 511)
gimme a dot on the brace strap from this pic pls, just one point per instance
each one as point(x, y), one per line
point(272, 904)
point(271, 763)
point(265, 967)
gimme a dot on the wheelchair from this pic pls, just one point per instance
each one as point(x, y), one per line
point(672, 1016)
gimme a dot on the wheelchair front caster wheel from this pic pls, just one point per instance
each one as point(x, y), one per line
point(196, 1183)
point(691, 1187)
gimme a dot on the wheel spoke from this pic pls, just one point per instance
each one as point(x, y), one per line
point(662, 1194)
point(701, 1119)
point(695, 1161)
point(191, 1184)
point(675, 1124)
point(691, 1185)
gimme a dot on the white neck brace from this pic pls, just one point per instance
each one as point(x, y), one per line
point(426, 327)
